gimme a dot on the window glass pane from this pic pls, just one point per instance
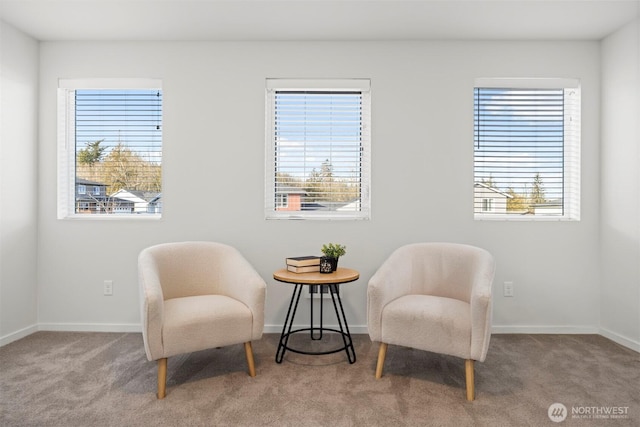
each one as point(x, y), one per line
point(521, 142)
point(118, 151)
point(318, 154)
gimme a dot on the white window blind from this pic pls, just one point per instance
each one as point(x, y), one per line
point(318, 149)
point(527, 150)
point(111, 142)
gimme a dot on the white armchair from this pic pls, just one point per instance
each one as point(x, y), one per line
point(195, 296)
point(433, 297)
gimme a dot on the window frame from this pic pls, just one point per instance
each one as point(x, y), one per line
point(361, 85)
point(571, 147)
point(66, 170)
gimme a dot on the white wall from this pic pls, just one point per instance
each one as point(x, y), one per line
point(422, 109)
point(620, 188)
point(18, 183)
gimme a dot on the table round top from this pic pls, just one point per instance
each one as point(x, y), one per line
point(341, 275)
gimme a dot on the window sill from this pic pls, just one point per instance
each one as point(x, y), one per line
point(318, 217)
point(523, 218)
point(112, 217)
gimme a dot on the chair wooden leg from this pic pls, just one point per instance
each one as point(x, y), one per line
point(382, 353)
point(468, 368)
point(162, 378)
point(249, 352)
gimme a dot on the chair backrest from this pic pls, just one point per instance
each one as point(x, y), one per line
point(445, 269)
point(190, 268)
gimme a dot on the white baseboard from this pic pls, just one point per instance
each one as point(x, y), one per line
point(576, 330)
point(115, 327)
point(90, 327)
point(15, 336)
point(623, 341)
point(544, 329)
point(354, 329)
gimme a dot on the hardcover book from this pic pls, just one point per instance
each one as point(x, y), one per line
point(305, 269)
point(303, 261)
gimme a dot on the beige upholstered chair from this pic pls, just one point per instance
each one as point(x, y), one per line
point(195, 296)
point(434, 297)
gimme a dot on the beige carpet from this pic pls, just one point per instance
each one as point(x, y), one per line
point(104, 379)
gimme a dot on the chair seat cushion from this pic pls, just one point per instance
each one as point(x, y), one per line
point(188, 323)
point(430, 323)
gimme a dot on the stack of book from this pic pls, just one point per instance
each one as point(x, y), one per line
point(303, 264)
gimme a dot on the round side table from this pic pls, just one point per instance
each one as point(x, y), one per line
point(330, 280)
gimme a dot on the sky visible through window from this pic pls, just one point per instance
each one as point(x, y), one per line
point(315, 129)
point(132, 118)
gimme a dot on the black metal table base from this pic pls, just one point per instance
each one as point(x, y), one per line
point(316, 333)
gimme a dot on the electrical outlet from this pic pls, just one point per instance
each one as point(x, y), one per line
point(508, 289)
point(108, 287)
point(319, 291)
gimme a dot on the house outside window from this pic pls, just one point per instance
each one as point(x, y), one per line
point(527, 149)
point(110, 143)
point(89, 196)
point(318, 149)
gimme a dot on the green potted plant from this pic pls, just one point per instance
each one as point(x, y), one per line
point(331, 251)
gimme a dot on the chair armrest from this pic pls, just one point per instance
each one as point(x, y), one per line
point(239, 280)
point(391, 281)
point(151, 306)
point(481, 307)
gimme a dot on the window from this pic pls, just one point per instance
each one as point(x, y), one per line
point(282, 201)
point(527, 149)
point(318, 149)
point(110, 141)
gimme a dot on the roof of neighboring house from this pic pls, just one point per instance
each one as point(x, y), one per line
point(156, 198)
point(488, 187)
point(328, 206)
point(132, 195)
